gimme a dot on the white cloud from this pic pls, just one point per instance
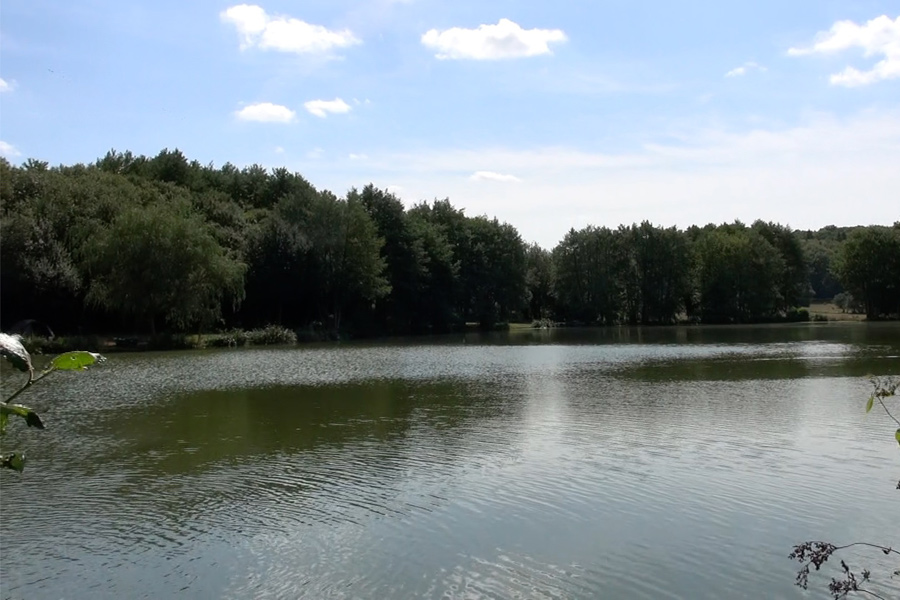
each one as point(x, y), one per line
point(315, 153)
point(6, 86)
point(8, 150)
point(358, 156)
point(745, 68)
point(279, 150)
point(321, 108)
point(266, 112)
point(284, 34)
point(506, 39)
point(491, 176)
point(825, 170)
point(878, 37)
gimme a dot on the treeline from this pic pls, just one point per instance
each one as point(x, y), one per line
point(139, 244)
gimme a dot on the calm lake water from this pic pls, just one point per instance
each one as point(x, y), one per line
point(661, 463)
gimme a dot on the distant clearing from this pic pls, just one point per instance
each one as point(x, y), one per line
point(833, 313)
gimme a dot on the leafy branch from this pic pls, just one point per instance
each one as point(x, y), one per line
point(815, 553)
point(12, 349)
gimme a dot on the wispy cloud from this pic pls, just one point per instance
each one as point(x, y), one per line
point(321, 108)
point(878, 37)
point(266, 112)
point(358, 156)
point(760, 173)
point(284, 34)
point(8, 150)
point(6, 86)
point(491, 176)
point(506, 39)
point(745, 68)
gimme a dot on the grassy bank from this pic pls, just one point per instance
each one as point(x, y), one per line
point(826, 311)
point(272, 335)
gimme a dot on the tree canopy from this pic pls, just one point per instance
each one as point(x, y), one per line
point(136, 244)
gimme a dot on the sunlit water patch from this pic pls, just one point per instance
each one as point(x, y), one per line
point(664, 464)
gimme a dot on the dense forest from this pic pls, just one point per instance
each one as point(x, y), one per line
point(143, 245)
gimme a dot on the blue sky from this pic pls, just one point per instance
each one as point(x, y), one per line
point(550, 115)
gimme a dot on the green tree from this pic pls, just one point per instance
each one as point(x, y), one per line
point(439, 286)
point(348, 255)
point(657, 273)
point(590, 266)
point(539, 280)
point(405, 259)
point(740, 275)
point(820, 263)
point(869, 268)
point(793, 286)
point(493, 266)
point(162, 262)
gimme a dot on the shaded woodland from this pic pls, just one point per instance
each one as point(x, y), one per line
point(142, 244)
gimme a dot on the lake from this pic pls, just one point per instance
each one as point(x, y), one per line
point(678, 462)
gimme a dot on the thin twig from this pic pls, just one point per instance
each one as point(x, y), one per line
point(881, 401)
point(885, 549)
point(29, 383)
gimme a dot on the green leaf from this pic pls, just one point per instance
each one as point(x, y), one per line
point(13, 461)
point(897, 435)
point(870, 402)
point(4, 419)
point(31, 417)
point(75, 361)
point(11, 347)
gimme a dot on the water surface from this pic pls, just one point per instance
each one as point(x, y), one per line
point(622, 463)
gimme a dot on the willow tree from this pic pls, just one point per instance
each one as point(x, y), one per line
point(162, 263)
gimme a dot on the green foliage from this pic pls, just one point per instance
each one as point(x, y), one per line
point(31, 418)
point(820, 263)
point(136, 244)
point(59, 344)
point(816, 554)
point(539, 280)
point(272, 335)
point(161, 261)
point(75, 361)
point(793, 281)
point(869, 268)
point(657, 273)
point(846, 302)
point(590, 266)
point(796, 315)
point(740, 276)
point(12, 349)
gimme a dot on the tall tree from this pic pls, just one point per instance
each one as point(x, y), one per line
point(162, 262)
point(347, 252)
point(589, 266)
point(404, 257)
point(869, 267)
point(539, 278)
point(740, 274)
point(793, 288)
point(657, 274)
